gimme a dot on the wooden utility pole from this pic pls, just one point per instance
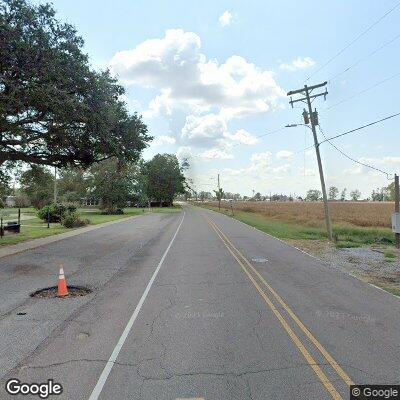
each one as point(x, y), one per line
point(219, 195)
point(55, 185)
point(312, 117)
point(397, 205)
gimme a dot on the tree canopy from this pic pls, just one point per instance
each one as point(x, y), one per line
point(54, 109)
point(164, 178)
point(37, 183)
point(113, 183)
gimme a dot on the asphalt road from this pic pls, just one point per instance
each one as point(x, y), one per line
point(192, 305)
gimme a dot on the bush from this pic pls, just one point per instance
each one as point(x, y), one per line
point(116, 211)
point(55, 212)
point(72, 219)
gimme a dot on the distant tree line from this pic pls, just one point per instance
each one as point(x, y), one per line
point(334, 194)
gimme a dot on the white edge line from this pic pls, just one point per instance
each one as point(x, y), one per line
point(304, 252)
point(110, 363)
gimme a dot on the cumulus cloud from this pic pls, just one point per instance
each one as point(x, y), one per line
point(307, 172)
point(163, 140)
point(184, 152)
point(206, 128)
point(282, 169)
point(184, 76)
point(212, 130)
point(387, 164)
point(298, 63)
point(260, 160)
point(389, 161)
point(260, 165)
point(284, 154)
point(358, 170)
point(216, 154)
point(242, 136)
point(225, 19)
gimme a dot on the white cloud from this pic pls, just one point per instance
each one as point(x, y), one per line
point(216, 154)
point(284, 154)
point(260, 160)
point(387, 164)
point(357, 170)
point(282, 169)
point(389, 161)
point(259, 168)
point(242, 136)
point(184, 152)
point(204, 128)
point(226, 18)
point(163, 140)
point(175, 66)
point(212, 130)
point(307, 172)
point(298, 63)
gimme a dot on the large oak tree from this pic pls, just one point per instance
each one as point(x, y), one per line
point(54, 109)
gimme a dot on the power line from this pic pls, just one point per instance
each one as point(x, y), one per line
point(328, 139)
point(262, 135)
point(354, 40)
point(364, 58)
point(352, 159)
point(365, 90)
point(361, 127)
point(241, 143)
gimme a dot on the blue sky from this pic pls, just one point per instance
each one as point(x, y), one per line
point(210, 76)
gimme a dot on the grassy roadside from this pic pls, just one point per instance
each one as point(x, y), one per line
point(35, 228)
point(347, 235)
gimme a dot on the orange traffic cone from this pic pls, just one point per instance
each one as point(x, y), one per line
point(62, 284)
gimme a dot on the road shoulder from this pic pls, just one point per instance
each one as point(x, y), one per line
point(32, 244)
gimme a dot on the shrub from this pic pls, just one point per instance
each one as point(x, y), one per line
point(116, 211)
point(72, 219)
point(55, 212)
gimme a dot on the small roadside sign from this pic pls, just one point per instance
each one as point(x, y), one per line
point(396, 222)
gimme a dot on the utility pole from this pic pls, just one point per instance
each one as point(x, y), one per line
point(312, 117)
point(55, 185)
point(396, 205)
point(219, 195)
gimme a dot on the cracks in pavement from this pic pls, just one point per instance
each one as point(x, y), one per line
point(255, 329)
point(171, 375)
point(249, 388)
point(239, 374)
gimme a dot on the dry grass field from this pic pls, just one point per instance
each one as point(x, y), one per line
point(363, 214)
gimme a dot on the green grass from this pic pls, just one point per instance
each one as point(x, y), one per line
point(389, 256)
point(35, 228)
point(347, 235)
point(389, 288)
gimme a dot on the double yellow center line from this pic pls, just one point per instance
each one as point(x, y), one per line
point(261, 285)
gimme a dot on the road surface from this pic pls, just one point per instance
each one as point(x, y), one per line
point(192, 305)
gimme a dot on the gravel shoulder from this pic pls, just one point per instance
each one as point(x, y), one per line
point(379, 265)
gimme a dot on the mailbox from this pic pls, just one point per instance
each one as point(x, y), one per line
point(396, 222)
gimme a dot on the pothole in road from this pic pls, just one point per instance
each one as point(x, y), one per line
point(51, 292)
